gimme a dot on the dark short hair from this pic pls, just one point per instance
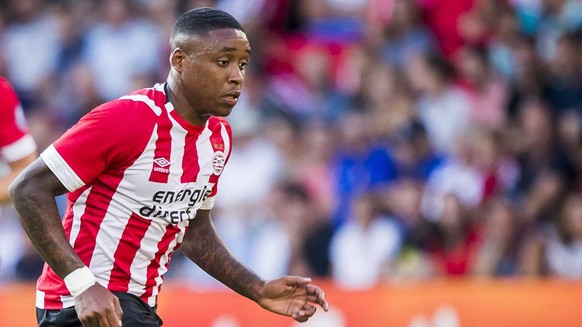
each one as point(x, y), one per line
point(200, 21)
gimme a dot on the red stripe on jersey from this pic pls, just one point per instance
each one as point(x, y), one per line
point(153, 268)
point(129, 244)
point(161, 163)
point(96, 209)
point(190, 164)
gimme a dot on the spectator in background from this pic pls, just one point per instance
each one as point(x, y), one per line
point(529, 81)
point(405, 35)
point(486, 90)
point(499, 50)
point(118, 72)
point(498, 169)
point(557, 18)
point(442, 107)
point(500, 241)
point(277, 240)
point(314, 168)
point(361, 164)
point(294, 213)
point(387, 97)
point(413, 154)
point(546, 171)
point(456, 177)
point(557, 249)
point(403, 201)
point(314, 172)
point(565, 74)
point(442, 17)
point(563, 246)
point(31, 22)
point(362, 249)
point(453, 252)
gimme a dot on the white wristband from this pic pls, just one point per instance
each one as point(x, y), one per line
point(80, 280)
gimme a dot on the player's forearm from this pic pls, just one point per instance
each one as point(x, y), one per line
point(208, 251)
point(40, 219)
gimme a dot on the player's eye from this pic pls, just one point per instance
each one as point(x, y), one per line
point(223, 63)
point(242, 65)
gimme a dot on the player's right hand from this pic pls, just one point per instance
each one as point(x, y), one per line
point(98, 307)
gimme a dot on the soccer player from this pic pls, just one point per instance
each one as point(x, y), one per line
point(17, 147)
point(141, 175)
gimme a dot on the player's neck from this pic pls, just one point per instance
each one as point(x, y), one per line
point(181, 105)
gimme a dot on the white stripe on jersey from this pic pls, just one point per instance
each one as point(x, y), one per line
point(178, 134)
point(39, 300)
point(141, 261)
point(62, 170)
point(163, 261)
point(107, 241)
point(78, 211)
point(18, 149)
point(143, 98)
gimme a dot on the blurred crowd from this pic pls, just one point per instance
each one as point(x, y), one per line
point(375, 139)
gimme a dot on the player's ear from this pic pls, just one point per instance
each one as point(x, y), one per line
point(177, 59)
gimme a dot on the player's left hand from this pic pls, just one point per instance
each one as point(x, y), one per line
point(292, 296)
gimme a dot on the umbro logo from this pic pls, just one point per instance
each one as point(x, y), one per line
point(162, 162)
point(160, 165)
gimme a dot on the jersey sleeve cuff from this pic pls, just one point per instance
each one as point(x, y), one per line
point(61, 169)
point(19, 149)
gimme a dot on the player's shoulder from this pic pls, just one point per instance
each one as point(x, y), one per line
point(145, 103)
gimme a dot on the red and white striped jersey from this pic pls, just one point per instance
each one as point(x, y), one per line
point(137, 173)
point(15, 142)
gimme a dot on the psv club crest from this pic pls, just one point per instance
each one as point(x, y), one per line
point(218, 162)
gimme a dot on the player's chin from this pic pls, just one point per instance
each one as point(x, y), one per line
point(223, 111)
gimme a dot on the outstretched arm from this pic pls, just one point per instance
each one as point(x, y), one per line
point(289, 295)
point(33, 193)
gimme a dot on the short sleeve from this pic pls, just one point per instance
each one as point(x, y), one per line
point(102, 139)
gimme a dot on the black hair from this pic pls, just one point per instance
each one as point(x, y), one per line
point(200, 21)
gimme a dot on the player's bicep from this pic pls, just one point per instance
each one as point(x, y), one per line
point(38, 177)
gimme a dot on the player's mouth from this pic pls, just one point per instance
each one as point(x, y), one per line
point(232, 97)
